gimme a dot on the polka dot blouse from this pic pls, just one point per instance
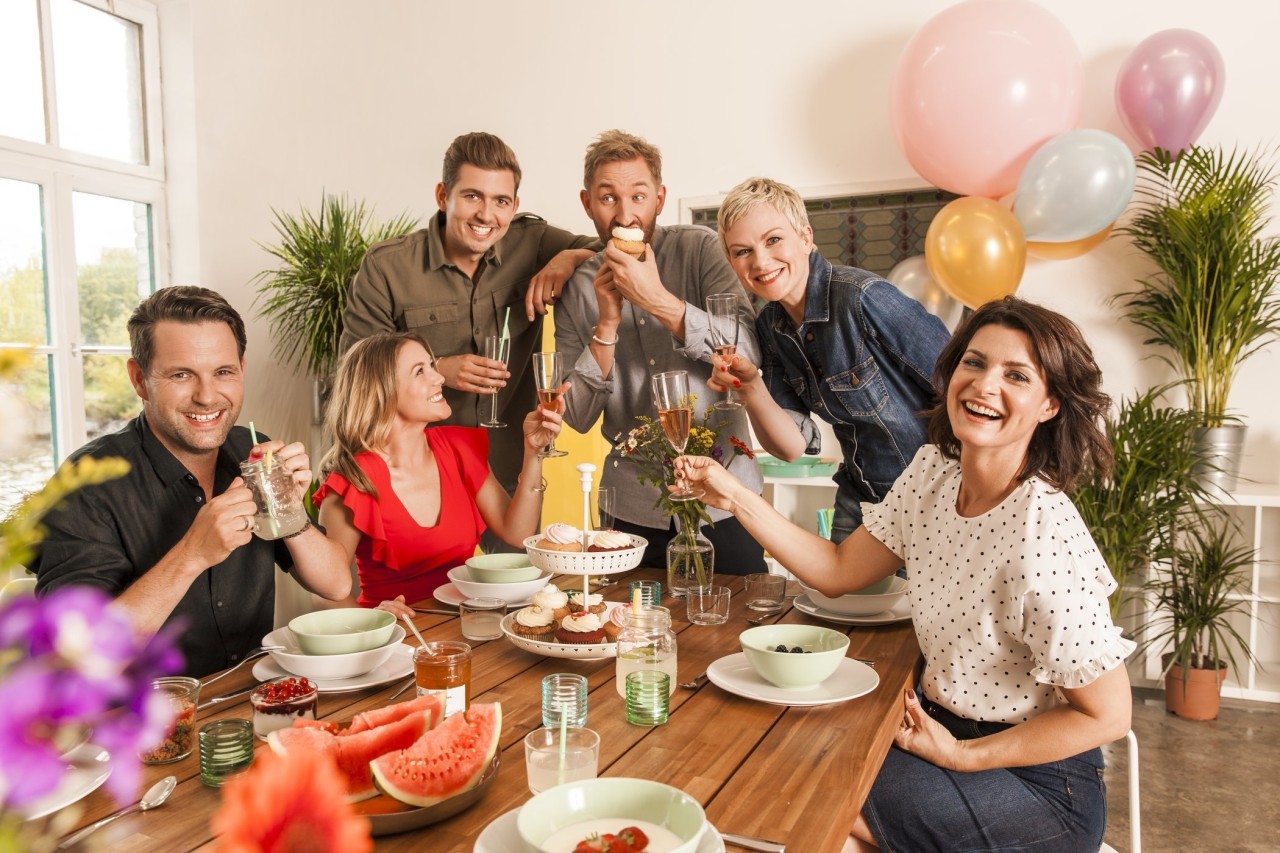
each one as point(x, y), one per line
point(1007, 606)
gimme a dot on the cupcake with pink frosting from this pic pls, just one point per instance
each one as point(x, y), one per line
point(560, 537)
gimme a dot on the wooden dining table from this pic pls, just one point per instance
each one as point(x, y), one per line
point(795, 775)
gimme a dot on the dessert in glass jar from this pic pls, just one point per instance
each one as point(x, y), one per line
point(277, 703)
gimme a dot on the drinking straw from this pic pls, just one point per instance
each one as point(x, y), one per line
point(564, 727)
point(505, 317)
point(262, 485)
point(822, 525)
point(635, 601)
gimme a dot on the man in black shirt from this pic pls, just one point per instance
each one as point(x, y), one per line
point(173, 538)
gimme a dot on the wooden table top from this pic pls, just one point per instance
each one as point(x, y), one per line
point(797, 775)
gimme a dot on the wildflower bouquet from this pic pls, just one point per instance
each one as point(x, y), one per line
point(647, 447)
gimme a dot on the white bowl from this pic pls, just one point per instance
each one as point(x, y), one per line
point(324, 667)
point(616, 799)
point(858, 603)
point(511, 593)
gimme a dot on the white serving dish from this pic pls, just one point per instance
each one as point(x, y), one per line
point(857, 603)
point(511, 593)
point(586, 562)
point(328, 667)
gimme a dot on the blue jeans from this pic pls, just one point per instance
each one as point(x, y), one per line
point(1058, 807)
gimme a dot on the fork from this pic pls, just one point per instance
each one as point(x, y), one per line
point(253, 655)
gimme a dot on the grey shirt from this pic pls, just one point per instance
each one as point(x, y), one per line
point(692, 266)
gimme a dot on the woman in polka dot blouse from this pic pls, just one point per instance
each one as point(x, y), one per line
point(1024, 677)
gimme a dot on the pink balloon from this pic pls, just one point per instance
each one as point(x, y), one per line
point(1169, 87)
point(979, 88)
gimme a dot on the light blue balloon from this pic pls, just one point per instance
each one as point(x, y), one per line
point(1075, 185)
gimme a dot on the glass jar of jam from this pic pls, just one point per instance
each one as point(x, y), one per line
point(277, 703)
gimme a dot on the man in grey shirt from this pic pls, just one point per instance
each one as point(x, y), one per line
point(622, 320)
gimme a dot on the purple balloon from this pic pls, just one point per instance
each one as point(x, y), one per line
point(1169, 87)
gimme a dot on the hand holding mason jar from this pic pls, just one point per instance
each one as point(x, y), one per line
point(278, 476)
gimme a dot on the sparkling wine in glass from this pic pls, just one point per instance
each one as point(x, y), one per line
point(498, 348)
point(722, 314)
point(548, 374)
point(671, 397)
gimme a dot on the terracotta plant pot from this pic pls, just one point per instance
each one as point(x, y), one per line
point(1202, 694)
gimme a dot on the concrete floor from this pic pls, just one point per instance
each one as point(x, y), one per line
point(1211, 786)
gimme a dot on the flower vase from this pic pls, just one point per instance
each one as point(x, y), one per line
point(690, 558)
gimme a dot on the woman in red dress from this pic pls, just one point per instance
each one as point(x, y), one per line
point(406, 499)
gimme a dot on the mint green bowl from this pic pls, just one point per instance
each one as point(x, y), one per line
point(342, 631)
point(502, 568)
point(794, 671)
point(616, 799)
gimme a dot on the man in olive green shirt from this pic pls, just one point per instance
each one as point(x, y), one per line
point(475, 265)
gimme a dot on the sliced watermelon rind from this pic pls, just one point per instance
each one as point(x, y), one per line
point(444, 762)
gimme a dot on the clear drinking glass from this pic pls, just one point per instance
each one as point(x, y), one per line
point(547, 765)
point(765, 593)
point(722, 317)
point(548, 373)
point(564, 694)
point(481, 618)
point(602, 506)
point(226, 750)
point(708, 605)
point(648, 697)
point(280, 511)
point(650, 592)
point(675, 412)
point(496, 348)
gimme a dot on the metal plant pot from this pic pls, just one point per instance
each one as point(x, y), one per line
point(1220, 449)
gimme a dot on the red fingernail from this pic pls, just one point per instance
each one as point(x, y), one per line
point(737, 384)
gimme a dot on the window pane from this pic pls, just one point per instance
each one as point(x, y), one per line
point(113, 264)
point(109, 398)
point(22, 95)
point(98, 79)
point(26, 446)
point(22, 276)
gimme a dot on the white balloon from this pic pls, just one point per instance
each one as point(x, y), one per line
point(913, 278)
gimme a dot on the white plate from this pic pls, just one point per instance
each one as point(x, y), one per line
point(900, 612)
point(502, 835)
point(397, 666)
point(88, 767)
point(735, 675)
point(573, 651)
point(452, 596)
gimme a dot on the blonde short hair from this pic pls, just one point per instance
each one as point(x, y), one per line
point(617, 146)
point(752, 193)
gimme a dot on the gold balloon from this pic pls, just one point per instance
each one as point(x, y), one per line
point(976, 250)
point(1068, 249)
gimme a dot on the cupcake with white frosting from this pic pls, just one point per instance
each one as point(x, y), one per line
point(552, 599)
point(609, 540)
point(583, 628)
point(535, 623)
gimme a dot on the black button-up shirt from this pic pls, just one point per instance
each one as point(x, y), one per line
point(109, 535)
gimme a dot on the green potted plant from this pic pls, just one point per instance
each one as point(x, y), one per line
point(305, 295)
point(1195, 596)
point(1212, 301)
point(1134, 514)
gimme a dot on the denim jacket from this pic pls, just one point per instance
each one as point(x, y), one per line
point(863, 362)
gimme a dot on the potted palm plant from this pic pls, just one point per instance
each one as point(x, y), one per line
point(1194, 597)
point(1152, 491)
point(1201, 217)
point(305, 295)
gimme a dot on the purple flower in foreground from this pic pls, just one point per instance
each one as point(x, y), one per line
point(30, 766)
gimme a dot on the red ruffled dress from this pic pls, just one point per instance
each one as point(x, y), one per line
point(398, 556)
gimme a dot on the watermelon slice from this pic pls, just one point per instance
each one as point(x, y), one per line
point(326, 725)
point(392, 713)
point(444, 762)
point(352, 753)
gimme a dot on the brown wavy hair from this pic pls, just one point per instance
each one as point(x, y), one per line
point(362, 407)
point(1068, 445)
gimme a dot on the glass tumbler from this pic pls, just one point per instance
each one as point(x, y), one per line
point(765, 593)
point(226, 750)
point(650, 592)
point(708, 605)
point(183, 694)
point(564, 694)
point(481, 618)
point(280, 511)
point(648, 697)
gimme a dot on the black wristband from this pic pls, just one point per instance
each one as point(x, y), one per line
point(299, 532)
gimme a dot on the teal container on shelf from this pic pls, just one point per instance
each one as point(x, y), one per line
point(805, 466)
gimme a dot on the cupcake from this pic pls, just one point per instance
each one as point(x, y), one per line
point(609, 540)
point(589, 602)
point(614, 624)
point(560, 537)
point(535, 623)
point(550, 598)
point(629, 240)
point(581, 629)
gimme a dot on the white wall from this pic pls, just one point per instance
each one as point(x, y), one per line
point(293, 97)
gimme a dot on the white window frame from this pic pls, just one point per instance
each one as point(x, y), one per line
point(60, 173)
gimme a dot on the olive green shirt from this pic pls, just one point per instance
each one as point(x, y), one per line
point(405, 284)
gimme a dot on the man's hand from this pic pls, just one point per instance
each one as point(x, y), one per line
point(473, 373)
point(640, 284)
point(608, 299)
point(294, 459)
point(548, 283)
point(221, 526)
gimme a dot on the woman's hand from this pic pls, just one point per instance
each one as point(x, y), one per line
point(541, 426)
point(398, 607)
point(709, 480)
point(923, 736)
point(735, 372)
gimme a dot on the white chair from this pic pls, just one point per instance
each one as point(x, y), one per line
point(17, 587)
point(1135, 818)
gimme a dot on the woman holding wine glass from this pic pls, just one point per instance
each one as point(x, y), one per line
point(408, 500)
point(838, 343)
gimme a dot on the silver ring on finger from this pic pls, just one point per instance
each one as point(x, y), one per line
point(248, 522)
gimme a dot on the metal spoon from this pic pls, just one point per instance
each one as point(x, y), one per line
point(697, 682)
point(756, 620)
point(155, 796)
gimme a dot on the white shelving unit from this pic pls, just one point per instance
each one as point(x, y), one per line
point(1255, 508)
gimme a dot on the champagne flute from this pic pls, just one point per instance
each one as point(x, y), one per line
point(548, 374)
point(498, 348)
point(722, 314)
point(671, 396)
